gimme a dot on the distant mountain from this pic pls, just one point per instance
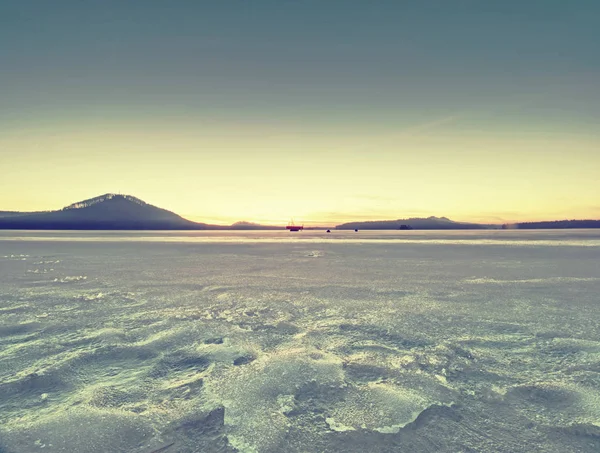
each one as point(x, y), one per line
point(554, 224)
point(106, 212)
point(415, 223)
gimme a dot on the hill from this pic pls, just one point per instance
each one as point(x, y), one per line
point(415, 223)
point(106, 212)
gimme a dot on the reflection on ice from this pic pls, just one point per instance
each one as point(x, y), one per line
point(581, 238)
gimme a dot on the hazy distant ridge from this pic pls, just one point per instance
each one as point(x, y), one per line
point(429, 223)
point(556, 224)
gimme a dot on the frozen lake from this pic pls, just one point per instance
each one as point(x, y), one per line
point(485, 341)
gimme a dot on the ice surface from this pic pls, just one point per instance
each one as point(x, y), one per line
point(279, 342)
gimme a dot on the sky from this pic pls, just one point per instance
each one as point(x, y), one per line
point(321, 111)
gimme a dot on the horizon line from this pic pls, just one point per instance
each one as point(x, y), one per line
point(221, 222)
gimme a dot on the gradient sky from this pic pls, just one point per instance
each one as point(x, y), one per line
point(324, 111)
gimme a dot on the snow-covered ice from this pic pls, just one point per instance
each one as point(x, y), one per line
point(267, 342)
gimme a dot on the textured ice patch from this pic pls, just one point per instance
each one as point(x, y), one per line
point(557, 404)
point(90, 297)
point(39, 271)
point(379, 407)
point(259, 396)
point(70, 279)
point(80, 430)
point(16, 257)
point(335, 426)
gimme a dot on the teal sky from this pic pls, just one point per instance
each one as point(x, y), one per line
point(318, 110)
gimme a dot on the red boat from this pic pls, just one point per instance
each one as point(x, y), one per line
point(293, 227)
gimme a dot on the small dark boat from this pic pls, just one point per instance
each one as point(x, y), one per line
point(292, 227)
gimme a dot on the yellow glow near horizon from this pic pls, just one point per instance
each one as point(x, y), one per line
point(259, 174)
